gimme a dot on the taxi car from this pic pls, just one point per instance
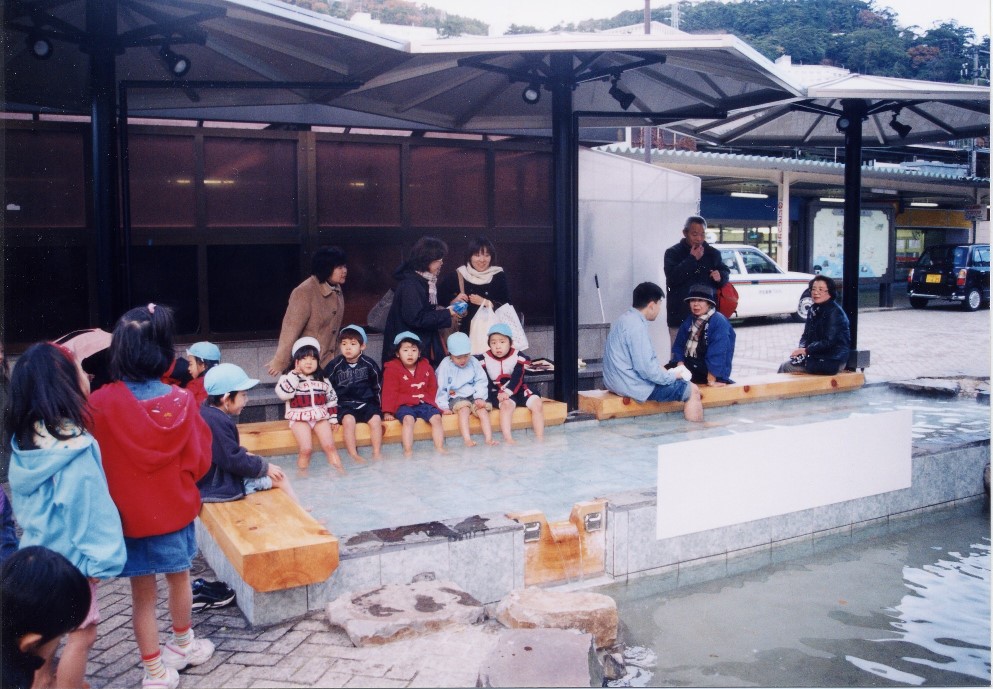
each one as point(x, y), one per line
point(959, 272)
point(765, 289)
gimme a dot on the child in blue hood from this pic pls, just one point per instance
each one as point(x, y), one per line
point(58, 487)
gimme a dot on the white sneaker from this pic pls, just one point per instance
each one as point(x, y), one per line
point(170, 681)
point(197, 653)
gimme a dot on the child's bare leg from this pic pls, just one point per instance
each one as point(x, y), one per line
point(146, 628)
point(507, 408)
point(180, 599)
point(301, 432)
point(438, 432)
point(44, 677)
point(72, 663)
point(376, 436)
point(407, 436)
point(348, 431)
point(537, 408)
point(484, 420)
point(284, 485)
point(463, 413)
point(325, 434)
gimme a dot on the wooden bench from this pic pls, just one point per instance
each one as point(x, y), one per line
point(606, 405)
point(268, 438)
point(271, 541)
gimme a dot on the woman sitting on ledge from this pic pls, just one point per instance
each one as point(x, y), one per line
point(826, 338)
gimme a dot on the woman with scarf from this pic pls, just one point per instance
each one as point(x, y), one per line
point(827, 337)
point(415, 301)
point(705, 341)
point(477, 281)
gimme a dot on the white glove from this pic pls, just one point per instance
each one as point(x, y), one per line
point(681, 372)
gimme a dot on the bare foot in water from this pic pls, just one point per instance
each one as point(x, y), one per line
point(492, 441)
point(469, 442)
point(335, 461)
point(376, 456)
point(408, 453)
point(356, 457)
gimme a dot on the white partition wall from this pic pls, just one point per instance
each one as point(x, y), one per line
point(630, 212)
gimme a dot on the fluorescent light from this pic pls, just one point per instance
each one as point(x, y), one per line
point(749, 195)
point(832, 199)
point(923, 204)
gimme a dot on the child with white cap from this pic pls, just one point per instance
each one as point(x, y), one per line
point(233, 473)
point(462, 386)
point(311, 403)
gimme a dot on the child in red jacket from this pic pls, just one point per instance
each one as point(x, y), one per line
point(409, 389)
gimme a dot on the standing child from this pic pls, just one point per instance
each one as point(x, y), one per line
point(234, 473)
point(409, 392)
point(357, 381)
point(155, 448)
point(311, 403)
point(504, 367)
point(462, 386)
point(58, 488)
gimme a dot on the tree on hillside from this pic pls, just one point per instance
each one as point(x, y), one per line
point(517, 29)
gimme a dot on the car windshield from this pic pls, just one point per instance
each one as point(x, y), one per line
point(727, 258)
point(756, 263)
point(944, 256)
point(981, 257)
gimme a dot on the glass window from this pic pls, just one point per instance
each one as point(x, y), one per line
point(728, 259)
point(250, 182)
point(523, 182)
point(163, 193)
point(238, 304)
point(447, 187)
point(168, 275)
point(981, 257)
point(53, 281)
point(44, 179)
point(756, 263)
point(358, 184)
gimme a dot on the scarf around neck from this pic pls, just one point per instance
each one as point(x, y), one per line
point(696, 331)
point(432, 286)
point(478, 277)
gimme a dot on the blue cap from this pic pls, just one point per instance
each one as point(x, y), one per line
point(357, 329)
point(207, 351)
point(500, 329)
point(406, 335)
point(225, 378)
point(458, 344)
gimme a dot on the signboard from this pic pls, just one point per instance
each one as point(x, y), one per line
point(829, 239)
point(975, 213)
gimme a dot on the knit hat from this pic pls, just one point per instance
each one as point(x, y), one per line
point(207, 351)
point(357, 329)
point(458, 344)
point(225, 378)
point(500, 329)
point(406, 335)
point(306, 342)
point(701, 292)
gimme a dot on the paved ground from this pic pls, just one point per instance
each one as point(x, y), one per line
point(938, 341)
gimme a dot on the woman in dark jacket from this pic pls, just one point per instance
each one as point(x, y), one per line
point(415, 301)
point(826, 338)
point(481, 282)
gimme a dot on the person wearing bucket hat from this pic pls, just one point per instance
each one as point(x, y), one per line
point(357, 381)
point(234, 472)
point(200, 358)
point(631, 367)
point(311, 403)
point(705, 341)
point(462, 388)
point(409, 391)
point(504, 367)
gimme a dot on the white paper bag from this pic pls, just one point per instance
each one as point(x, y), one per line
point(478, 328)
point(508, 314)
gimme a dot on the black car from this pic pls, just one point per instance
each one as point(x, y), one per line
point(960, 272)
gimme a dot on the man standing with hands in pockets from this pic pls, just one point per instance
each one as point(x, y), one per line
point(689, 262)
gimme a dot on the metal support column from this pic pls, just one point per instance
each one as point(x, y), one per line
point(851, 123)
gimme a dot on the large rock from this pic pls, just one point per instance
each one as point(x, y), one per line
point(395, 612)
point(541, 658)
point(533, 607)
point(937, 387)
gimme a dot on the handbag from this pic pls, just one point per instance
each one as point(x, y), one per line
point(479, 328)
point(380, 312)
point(508, 314)
point(727, 299)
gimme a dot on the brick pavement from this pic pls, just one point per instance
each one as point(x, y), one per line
point(938, 341)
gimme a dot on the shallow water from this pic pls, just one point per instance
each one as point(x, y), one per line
point(906, 609)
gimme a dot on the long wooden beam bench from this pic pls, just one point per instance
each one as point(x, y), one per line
point(271, 541)
point(268, 438)
point(606, 405)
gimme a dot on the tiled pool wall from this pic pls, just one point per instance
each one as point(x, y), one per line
point(487, 558)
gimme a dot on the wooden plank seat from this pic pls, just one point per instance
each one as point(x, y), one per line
point(606, 405)
point(268, 438)
point(271, 541)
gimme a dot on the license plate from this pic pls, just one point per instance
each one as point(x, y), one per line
point(932, 277)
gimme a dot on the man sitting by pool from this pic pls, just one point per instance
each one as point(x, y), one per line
point(630, 365)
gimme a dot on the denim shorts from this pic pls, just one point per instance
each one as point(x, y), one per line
point(164, 554)
point(676, 391)
point(420, 411)
point(254, 485)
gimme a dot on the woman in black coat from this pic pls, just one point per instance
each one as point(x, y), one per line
point(481, 283)
point(415, 301)
point(827, 335)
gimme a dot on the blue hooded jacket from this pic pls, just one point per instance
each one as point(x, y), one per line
point(61, 500)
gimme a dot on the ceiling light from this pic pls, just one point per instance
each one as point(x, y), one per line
point(531, 94)
point(749, 195)
point(39, 45)
point(832, 199)
point(923, 204)
point(178, 64)
point(899, 127)
point(624, 98)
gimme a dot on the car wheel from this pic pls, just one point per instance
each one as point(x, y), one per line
point(973, 299)
point(802, 307)
point(918, 302)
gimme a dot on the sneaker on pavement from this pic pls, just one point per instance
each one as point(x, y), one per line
point(210, 595)
point(170, 681)
point(197, 653)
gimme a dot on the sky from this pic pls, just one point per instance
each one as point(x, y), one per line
point(544, 14)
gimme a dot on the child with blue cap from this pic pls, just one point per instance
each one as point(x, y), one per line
point(462, 389)
point(504, 368)
point(409, 392)
point(233, 473)
point(357, 381)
